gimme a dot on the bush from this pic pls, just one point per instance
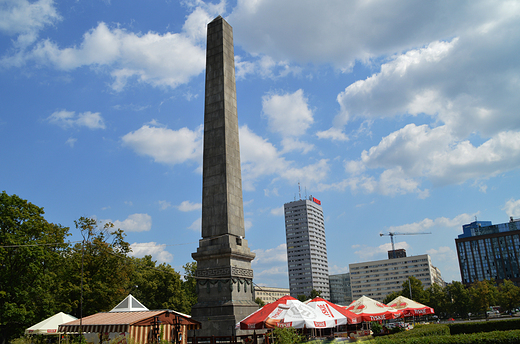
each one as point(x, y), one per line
point(285, 336)
point(425, 331)
point(485, 326)
point(376, 327)
point(496, 337)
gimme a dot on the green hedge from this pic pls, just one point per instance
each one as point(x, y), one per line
point(496, 337)
point(485, 326)
point(425, 331)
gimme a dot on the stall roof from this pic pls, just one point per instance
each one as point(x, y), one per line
point(122, 321)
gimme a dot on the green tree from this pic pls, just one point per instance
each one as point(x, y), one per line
point(483, 294)
point(390, 297)
point(31, 256)
point(103, 258)
point(159, 286)
point(260, 302)
point(458, 298)
point(508, 296)
point(416, 288)
point(438, 299)
point(302, 297)
point(286, 335)
point(190, 284)
point(314, 293)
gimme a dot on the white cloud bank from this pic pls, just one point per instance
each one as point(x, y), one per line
point(160, 60)
point(157, 251)
point(165, 145)
point(69, 119)
point(25, 19)
point(135, 223)
point(512, 207)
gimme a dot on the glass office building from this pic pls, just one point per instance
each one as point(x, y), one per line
point(340, 291)
point(486, 251)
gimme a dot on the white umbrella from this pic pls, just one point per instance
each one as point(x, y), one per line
point(298, 315)
point(50, 325)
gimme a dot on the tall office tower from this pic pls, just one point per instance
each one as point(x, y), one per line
point(224, 273)
point(306, 248)
point(488, 251)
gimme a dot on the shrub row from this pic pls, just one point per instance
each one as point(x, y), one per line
point(485, 326)
point(425, 331)
point(496, 337)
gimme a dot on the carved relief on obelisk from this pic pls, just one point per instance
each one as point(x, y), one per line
point(224, 274)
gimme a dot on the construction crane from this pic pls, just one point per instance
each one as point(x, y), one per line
point(391, 235)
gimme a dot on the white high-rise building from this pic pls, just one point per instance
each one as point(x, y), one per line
point(377, 279)
point(306, 248)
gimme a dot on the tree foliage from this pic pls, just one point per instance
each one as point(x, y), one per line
point(41, 274)
point(260, 302)
point(31, 250)
point(508, 296)
point(159, 286)
point(106, 272)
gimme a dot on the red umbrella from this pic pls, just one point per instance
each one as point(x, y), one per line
point(256, 320)
point(372, 310)
point(410, 307)
point(330, 309)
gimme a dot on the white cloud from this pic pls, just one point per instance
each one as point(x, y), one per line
point(164, 205)
point(288, 114)
point(336, 270)
point(440, 222)
point(446, 260)
point(277, 211)
point(443, 253)
point(416, 152)
point(260, 158)
point(334, 134)
point(189, 206)
point(248, 223)
point(345, 31)
point(366, 253)
point(265, 67)
point(165, 145)
point(272, 255)
point(157, 251)
point(25, 19)
point(512, 207)
point(196, 226)
point(290, 144)
point(159, 60)
point(135, 223)
point(68, 119)
point(71, 142)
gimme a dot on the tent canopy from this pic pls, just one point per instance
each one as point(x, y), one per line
point(372, 310)
point(334, 311)
point(50, 325)
point(410, 307)
point(289, 312)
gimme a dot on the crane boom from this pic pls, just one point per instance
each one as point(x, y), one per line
point(391, 235)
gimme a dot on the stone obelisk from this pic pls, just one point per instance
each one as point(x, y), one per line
point(224, 274)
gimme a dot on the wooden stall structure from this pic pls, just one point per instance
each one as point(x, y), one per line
point(144, 327)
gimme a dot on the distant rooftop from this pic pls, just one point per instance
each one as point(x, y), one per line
point(477, 228)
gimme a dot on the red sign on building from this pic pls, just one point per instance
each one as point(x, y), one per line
point(317, 201)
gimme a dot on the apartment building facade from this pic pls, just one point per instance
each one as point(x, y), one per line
point(377, 279)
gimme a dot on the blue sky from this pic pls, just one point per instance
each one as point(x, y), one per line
point(398, 115)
